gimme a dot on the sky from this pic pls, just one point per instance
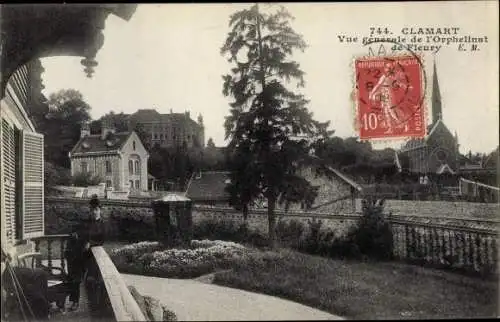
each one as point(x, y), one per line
point(167, 57)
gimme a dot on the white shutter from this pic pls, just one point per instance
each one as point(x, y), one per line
point(9, 180)
point(32, 185)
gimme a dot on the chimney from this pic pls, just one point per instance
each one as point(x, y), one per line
point(84, 130)
point(106, 128)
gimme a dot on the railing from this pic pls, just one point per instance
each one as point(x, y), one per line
point(108, 294)
point(459, 248)
point(51, 247)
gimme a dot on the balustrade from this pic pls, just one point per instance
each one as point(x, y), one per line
point(459, 248)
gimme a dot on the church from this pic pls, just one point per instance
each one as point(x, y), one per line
point(437, 155)
point(438, 152)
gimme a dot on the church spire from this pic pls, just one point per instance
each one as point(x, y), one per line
point(437, 112)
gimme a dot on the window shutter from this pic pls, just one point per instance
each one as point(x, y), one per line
point(9, 180)
point(32, 186)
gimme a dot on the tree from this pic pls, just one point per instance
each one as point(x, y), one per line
point(210, 143)
point(118, 121)
point(269, 127)
point(62, 125)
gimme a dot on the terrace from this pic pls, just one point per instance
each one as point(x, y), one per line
point(104, 295)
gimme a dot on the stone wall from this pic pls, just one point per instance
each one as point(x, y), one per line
point(60, 213)
point(257, 219)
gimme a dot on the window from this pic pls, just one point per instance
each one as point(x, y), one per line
point(137, 184)
point(109, 183)
point(130, 167)
point(84, 167)
point(131, 184)
point(108, 166)
point(133, 145)
point(22, 182)
point(137, 167)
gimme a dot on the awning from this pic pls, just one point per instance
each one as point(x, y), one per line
point(32, 31)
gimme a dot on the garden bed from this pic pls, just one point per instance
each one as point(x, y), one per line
point(200, 258)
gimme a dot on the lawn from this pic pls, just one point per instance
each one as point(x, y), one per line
point(364, 290)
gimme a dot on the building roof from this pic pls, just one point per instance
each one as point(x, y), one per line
point(152, 115)
point(209, 186)
point(94, 144)
point(445, 168)
point(346, 179)
point(173, 197)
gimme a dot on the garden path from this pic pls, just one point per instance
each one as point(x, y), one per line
point(193, 300)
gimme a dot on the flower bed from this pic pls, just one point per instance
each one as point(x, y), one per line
point(202, 257)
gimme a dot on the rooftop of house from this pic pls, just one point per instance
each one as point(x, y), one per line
point(94, 143)
point(209, 186)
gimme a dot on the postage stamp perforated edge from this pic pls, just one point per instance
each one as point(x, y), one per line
point(425, 86)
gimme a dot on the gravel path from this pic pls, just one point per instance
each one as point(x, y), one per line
point(193, 300)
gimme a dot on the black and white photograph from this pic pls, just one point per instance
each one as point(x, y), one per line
point(249, 161)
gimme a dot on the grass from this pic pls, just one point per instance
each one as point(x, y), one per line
point(364, 290)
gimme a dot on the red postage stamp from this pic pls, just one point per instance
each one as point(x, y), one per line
point(389, 97)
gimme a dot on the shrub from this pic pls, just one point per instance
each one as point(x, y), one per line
point(312, 242)
point(217, 229)
point(373, 236)
point(85, 179)
point(133, 226)
point(289, 233)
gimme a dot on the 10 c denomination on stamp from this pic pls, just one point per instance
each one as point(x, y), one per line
point(389, 97)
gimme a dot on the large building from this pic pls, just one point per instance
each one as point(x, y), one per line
point(119, 159)
point(169, 130)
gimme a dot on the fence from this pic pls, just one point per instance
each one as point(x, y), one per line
point(477, 191)
point(460, 248)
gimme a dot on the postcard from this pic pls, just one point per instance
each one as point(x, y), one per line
point(249, 161)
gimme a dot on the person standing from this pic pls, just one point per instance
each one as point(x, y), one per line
point(96, 223)
point(94, 236)
point(75, 257)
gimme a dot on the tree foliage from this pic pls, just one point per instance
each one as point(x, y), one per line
point(269, 127)
point(85, 179)
point(121, 123)
point(61, 126)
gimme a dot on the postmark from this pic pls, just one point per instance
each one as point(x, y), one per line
point(389, 97)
